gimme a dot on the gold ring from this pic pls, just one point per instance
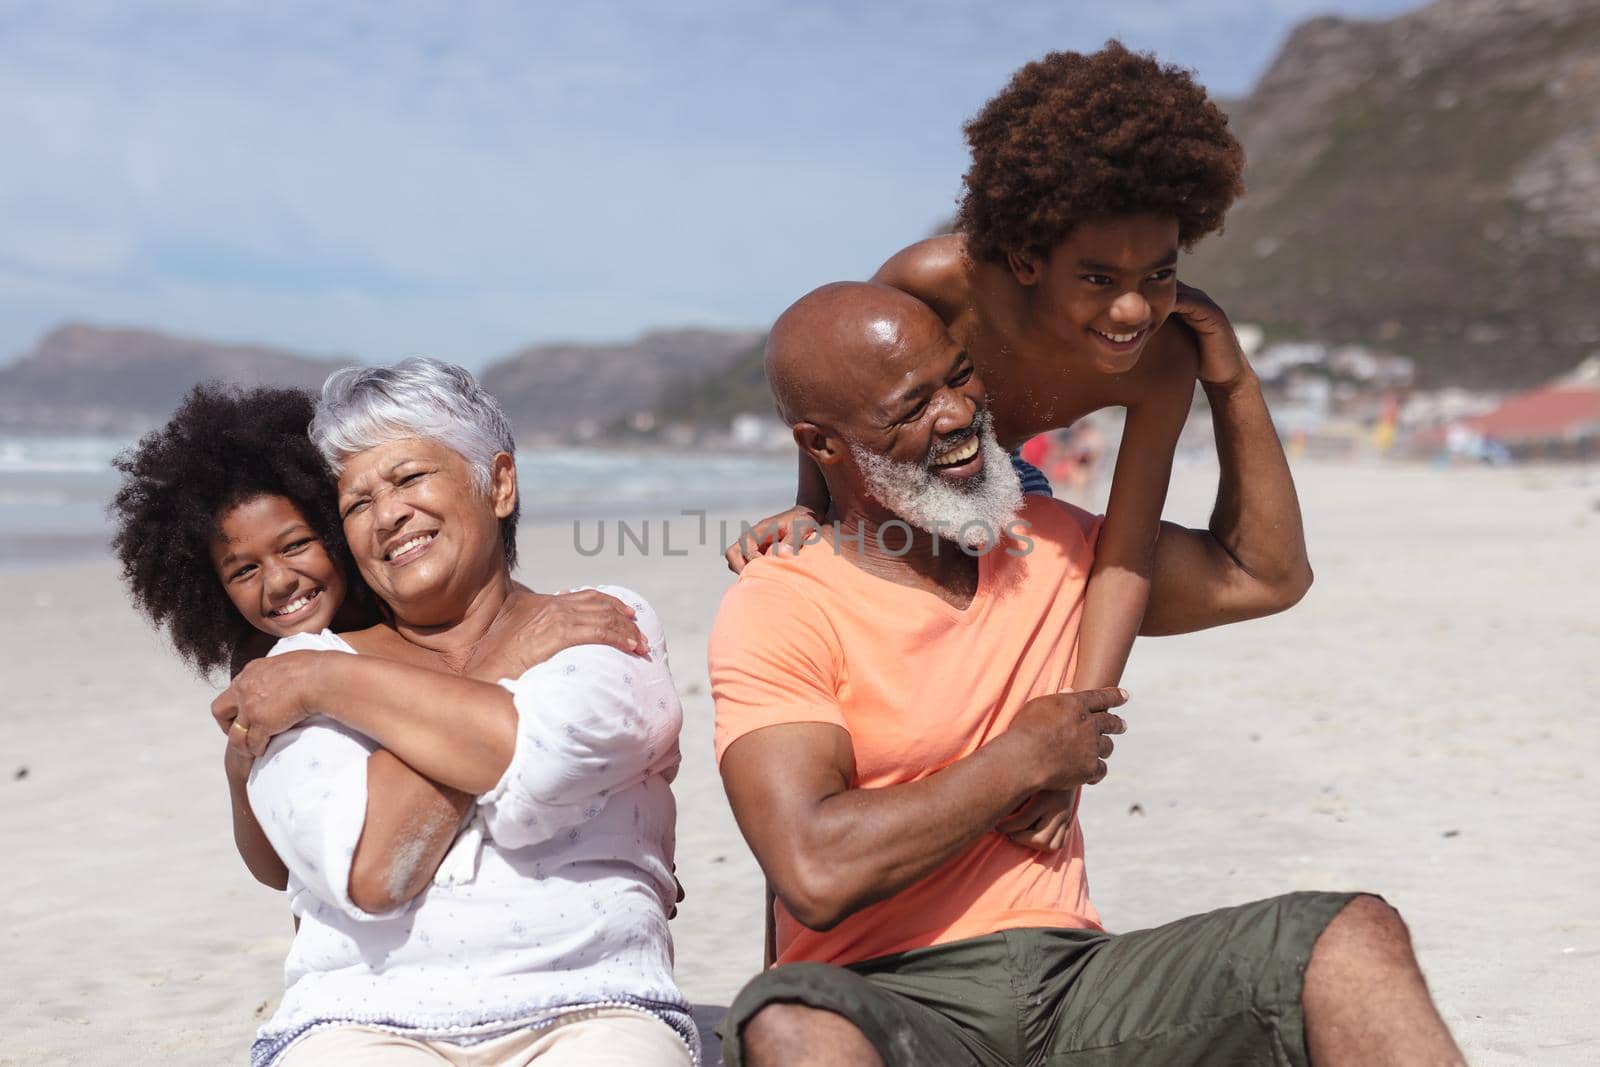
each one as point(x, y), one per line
point(240, 725)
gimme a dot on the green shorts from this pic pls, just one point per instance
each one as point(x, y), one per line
point(1221, 988)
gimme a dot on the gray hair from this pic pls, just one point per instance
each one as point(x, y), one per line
point(363, 407)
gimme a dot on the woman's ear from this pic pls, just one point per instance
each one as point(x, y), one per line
point(1024, 267)
point(503, 484)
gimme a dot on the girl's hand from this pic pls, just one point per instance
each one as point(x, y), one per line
point(1221, 359)
point(781, 534)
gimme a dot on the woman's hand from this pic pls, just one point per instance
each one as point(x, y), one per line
point(1221, 358)
point(266, 698)
point(781, 534)
point(532, 627)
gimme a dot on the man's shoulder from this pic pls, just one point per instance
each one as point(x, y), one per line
point(1058, 521)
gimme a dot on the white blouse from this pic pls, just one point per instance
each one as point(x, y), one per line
point(554, 896)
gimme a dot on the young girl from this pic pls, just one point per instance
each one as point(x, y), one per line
point(1089, 173)
point(229, 538)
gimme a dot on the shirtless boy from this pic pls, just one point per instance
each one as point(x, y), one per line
point(1089, 174)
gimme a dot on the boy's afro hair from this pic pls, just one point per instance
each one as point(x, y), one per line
point(222, 447)
point(1079, 137)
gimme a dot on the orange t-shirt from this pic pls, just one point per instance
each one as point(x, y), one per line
point(918, 684)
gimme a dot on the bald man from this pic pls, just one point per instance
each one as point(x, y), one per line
point(891, 696)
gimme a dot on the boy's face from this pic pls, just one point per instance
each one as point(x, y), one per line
point(1106, 289)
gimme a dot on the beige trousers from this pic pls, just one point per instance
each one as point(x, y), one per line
point(604, 1037)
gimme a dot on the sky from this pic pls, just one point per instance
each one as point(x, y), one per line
point(377, 180)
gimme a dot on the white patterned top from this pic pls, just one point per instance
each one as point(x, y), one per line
point(554, 896)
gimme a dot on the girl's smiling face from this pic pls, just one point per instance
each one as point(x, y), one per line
point(275, 568)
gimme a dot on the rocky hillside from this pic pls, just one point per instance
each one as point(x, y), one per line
point(82, 378)
point(89, 379)
point(556, 390)
point(1429, 183)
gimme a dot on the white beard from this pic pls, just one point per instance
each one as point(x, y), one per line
point(975, 513)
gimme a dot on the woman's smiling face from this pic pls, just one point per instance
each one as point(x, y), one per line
point(426, 537)
point(275, 568)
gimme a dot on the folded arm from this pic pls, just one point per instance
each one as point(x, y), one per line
point(830, 850)
point(1252, 560)
point(446, 739)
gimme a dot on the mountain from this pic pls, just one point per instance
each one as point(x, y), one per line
point(556, 390)
point(1429, 184)
point(82, 378)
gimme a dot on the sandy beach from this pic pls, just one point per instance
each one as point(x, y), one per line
point(1422, 726)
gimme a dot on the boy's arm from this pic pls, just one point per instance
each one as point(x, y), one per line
point(1124, 555)
point(781, 533)
point(1252, 560)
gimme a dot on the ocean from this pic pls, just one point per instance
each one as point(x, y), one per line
point(54, 490)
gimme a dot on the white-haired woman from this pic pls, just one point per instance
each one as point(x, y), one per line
point(498, 890)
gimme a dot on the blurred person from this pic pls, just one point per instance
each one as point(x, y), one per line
point(497, 890)
point(1089, 173)
point(885, 701)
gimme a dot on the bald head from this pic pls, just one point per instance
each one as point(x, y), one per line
point(838, 345)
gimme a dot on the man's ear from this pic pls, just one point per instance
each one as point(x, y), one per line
point(503, 484)
point(818, 442)
point(1025, 268)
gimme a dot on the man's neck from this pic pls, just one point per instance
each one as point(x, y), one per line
point(888, 547)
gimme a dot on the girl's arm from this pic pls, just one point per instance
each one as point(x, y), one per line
point(254, 848)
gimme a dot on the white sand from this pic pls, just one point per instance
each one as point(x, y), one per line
point(1423, 726)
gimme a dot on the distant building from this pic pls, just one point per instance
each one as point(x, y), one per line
point(1556, 421)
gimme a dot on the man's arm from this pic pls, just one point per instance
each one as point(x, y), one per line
point(830, 850)
point(1252, 560)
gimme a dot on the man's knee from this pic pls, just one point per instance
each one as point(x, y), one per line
point(777, 1032)
point(1366, 930)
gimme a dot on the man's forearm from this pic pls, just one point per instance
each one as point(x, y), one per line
point(860, 846)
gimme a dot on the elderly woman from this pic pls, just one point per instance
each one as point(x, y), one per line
point(498, 893)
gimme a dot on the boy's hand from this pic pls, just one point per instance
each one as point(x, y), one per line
point(781, 534)
point(1042, 823)
point(1221, 359)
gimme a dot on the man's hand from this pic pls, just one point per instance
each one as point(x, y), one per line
point(1221, 359)
point(532, 627)
point(265, 699)
point(1069, 734)
point(781, 534)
